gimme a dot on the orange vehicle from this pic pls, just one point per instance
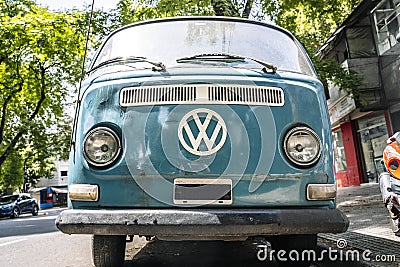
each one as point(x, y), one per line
point(390, 181)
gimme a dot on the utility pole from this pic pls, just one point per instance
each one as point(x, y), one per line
point(26, 185)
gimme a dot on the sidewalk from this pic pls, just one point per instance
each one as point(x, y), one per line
point(46, 211)
point(369, 222)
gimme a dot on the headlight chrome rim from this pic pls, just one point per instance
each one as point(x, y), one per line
point(306, 130)
point(113, 134)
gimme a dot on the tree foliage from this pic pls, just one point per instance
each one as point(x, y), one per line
point(130, 11)
point(313, 22)
point(40, 55)
point(12, 175)
point(330, 70)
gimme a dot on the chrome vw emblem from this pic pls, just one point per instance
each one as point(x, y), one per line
point(210, 146)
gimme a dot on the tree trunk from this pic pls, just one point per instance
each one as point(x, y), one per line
point(247, 9)
point(11, 147)
point(224, 8)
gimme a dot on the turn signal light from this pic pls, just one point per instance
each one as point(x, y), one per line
point(83, 192)
point(321, 191)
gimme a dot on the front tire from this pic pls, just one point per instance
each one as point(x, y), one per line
point(35, 210)
point(395, 224)
point(108, 250)
point(15, 213)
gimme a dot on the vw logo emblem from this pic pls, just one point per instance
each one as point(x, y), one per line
point(210, 146)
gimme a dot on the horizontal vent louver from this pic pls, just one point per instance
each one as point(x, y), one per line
point(249, 95)
point(157, 95)
point(202, 94)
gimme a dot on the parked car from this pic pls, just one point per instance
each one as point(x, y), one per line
point(14, 205)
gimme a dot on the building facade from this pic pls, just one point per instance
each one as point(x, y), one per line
point(53, 192)
point(367, 43)
point(60, 178)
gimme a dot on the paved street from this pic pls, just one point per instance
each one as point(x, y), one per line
point(210, 254)
point(369, 223)
point(35, 242)
point(28, 224)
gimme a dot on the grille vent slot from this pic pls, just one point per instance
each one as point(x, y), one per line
point(202, 94)
point(249, 95)
point(157, 95)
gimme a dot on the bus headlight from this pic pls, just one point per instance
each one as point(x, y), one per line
point(101, 146)
point(302, 146)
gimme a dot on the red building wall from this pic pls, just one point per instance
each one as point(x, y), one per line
point(351, 175)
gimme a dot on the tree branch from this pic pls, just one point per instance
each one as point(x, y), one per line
point(42, 93)
point(224, 8)
point(18, 136)
point(4, 111)
point(247, 9)
point(6, 102)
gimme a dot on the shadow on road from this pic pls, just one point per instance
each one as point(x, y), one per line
point(211, 254)
point(200, 253)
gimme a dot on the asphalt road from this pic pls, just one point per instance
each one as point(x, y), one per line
point(28, 224)
point(36, 242)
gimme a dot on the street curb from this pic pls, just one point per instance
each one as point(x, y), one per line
point(46, 211)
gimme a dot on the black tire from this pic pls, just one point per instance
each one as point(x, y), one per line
point(15, 213)
point(395, 224)
point(108, 250)
point(299, 243)
point(35, 210)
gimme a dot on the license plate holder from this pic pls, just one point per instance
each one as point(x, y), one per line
point(201, 191)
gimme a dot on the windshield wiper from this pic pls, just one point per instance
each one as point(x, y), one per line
point(160, 66)
point(227, 56)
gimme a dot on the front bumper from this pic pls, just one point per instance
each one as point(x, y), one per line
point(5, 213)
point(202, 223)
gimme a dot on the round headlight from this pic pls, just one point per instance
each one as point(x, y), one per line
point(302, 146)
point(101, 146)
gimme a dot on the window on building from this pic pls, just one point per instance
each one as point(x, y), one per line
point(395, 119)
point(63, 173)
point(386, 19)
point(370, 97)
point(373, 135)
point(360, 42)
point(340, 157)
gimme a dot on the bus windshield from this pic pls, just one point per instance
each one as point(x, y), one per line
point(168, 41)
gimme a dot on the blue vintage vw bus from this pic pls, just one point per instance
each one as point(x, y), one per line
point(200, 128)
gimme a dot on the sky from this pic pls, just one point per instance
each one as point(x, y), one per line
point(80, 4)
